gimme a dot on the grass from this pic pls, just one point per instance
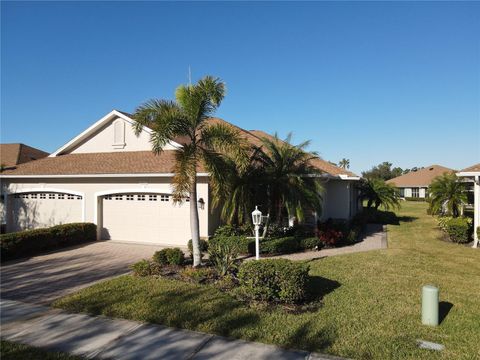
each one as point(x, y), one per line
point(15, 351)
point(370, 307)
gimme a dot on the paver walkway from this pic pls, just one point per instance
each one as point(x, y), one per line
point(102, 337)
point(374, 237)
point(44, 278)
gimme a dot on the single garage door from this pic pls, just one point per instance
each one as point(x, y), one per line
point(43, 209)
point(146, 218)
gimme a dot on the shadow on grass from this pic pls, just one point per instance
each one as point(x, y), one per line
point(443, 310)
point(320, 286)
point(406, 219)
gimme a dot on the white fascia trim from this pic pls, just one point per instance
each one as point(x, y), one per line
point(83, 135)
point(468, 173)
point(348, 177)
point(92, 176)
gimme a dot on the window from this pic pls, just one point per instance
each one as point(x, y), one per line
point(164, 198)
point(415, 192)
point(61, 196)
point(118, 197)
point(79, 197)
point(43, 196)
point(16, 196)
point(51, 196)
point(108, 197)
point(33, 196)
point(141, 197)
point(70, 197)
point(401, 192)
point(129, 197)
point(152, 198)
point(119, 134)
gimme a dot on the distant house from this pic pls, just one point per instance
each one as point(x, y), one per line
point(14, 154)
point(415, 183)
point(472, 174)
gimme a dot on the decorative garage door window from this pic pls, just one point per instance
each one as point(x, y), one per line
point(139, 197)
point(48, 196)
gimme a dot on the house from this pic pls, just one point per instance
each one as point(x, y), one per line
point(415, 183)
point(109, 176)
point(472, 174)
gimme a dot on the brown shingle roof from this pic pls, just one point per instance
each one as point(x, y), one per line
point(422, 177)
point(14, 154)
point(472, 168)
point(321, 164)
point(127, 162)
point(137, 162)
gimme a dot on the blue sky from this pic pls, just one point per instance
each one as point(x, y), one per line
point(369, 81)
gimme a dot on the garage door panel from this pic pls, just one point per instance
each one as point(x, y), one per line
point(38, 210)
point(140, 218)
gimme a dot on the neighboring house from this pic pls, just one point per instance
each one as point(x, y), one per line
point(415, 183)
point(109, 176)
point(472, 174)
point(10, 156)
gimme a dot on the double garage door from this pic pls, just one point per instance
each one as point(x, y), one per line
point(145, 218)
point(42, 209)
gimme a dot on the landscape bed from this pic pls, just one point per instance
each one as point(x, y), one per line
point(370, 302)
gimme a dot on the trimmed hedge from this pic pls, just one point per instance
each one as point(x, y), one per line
point(284, 245)
point(458, 229)
point(33, 242)
point(278, 280)
point(244, 245)
point(169, 256)
point(145, 268)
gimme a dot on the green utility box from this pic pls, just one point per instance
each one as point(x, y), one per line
point(430, 305)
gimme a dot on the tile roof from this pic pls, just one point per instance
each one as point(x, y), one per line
point(126, 162)
point(14, 154)
point(138, 162)
point(472, 168)
point(419, 178)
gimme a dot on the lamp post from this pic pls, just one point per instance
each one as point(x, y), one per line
point(257, 220)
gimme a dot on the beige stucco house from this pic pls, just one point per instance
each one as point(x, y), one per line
point(109, 176)
point(415, 183)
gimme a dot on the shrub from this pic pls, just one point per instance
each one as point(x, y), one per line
point(145, 268)
point(244, 245)
point(169, 256)
point(198, 275)
point(203, 247)
point(284, 245)
point(478, 232)
point(458, 229)
point(310, 243)
point(222, 255)
point(33, 242)
point(330, 237)
point(277, 280)
point(226, 231)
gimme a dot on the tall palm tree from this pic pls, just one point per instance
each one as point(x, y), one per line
point(292, 181)
point(447, 194)
point(203, 141)
point(377, 192)
point(344, 163)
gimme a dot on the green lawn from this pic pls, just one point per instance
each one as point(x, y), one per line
point(14, 351)
point(370, 308)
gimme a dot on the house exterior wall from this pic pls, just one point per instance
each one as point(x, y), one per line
point(339, 199)
point(91, 189)
point(104, 140)
point(408, 192)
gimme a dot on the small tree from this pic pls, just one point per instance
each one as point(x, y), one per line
point(377, 192)
point(447, 195)
point(344, 163)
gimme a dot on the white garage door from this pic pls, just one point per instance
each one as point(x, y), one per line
point(42, 209)
point(146, 218)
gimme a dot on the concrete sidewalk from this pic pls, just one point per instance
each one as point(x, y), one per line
point(101, 337)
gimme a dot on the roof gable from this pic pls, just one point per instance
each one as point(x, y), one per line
point(112, 133)
point(14, 154)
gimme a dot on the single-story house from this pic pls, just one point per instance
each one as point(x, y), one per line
point(109, 176)
point(415, 183)
point(472, 174)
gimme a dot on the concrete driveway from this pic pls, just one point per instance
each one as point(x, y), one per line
point(42, 279)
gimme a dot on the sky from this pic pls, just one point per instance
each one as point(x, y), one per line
point(366, 81)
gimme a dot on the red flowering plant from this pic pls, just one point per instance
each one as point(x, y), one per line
point(330, 237)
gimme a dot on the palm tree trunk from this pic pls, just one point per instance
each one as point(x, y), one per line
point(194, 224)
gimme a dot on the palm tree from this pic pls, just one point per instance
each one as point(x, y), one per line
point(344, 163)
point(447, 194)
point(292, 181)
point(203, 141)
point(377, 192)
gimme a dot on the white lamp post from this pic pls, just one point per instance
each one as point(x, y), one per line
point(257, 220)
